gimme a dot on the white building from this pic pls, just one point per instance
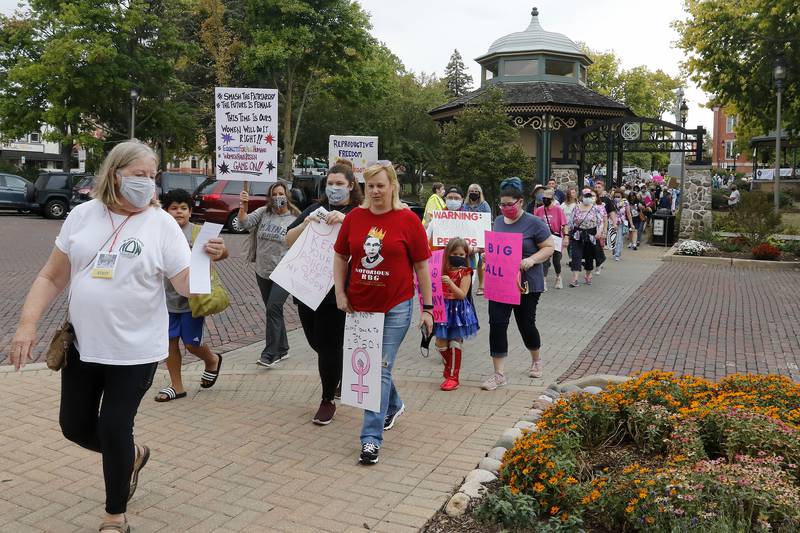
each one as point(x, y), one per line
point(33, 151)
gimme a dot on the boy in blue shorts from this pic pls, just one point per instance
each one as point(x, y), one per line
point(182, 325)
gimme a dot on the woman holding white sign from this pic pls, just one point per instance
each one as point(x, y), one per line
point(114, 252)
point(324, 327)
point(267, 248)
point(385, 244)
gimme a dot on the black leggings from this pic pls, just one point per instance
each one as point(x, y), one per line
point(110, 433)
point(324, 330)
point(524, 314)
point(556, 260)
point(584, 252)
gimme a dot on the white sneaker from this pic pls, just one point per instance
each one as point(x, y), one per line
point(598, 270)
point(559, 284)
point(494, 381)
point(545, 285)
point(536, 369)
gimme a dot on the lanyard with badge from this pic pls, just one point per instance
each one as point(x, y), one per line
point(105, 263)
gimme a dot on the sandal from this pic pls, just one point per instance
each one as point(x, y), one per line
point(168, 394)
point(209, 377)
point(116, 526)
point(138, 464)
point(479, 292)
point(574, 284)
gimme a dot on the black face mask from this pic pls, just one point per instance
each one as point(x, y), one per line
point(474, 196)
point(547, 201)
point(457, 261)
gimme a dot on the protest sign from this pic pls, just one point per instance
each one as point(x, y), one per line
point(359, 150)
point(361, 364)
point(503, 256)
point(247, 134)
point(468, 225)
point(306, 271)
point(435, 269)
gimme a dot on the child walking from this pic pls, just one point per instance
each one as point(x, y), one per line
point(462, 322)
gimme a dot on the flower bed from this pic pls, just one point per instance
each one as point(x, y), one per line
point(659, 453)
point(695, 248)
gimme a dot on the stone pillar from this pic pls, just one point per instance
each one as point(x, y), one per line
point(565, 176)
point(696, 203)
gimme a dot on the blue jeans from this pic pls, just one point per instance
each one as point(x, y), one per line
point(395, 326)
point(622, 231)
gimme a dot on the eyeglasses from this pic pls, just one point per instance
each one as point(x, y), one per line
point(512, 204)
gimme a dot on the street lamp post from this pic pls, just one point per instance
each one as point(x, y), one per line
point(779, 74)
point(684, 113)
point(134, 101)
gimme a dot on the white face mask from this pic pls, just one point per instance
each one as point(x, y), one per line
point(588, 201)
point(138, 190)
point(453, 205)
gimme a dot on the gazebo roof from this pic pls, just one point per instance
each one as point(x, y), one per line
point(534, 39)
point(537, 93)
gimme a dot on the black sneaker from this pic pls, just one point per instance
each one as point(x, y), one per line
point(369, 453)
point(266, 361)
point(388, 422)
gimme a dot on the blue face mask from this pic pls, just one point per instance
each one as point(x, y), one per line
point(539, 197)
point(457, 261)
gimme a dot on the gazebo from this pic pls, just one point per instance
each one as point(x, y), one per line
point(543, 78)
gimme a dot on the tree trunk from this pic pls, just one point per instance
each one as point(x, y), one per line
point(288, 142)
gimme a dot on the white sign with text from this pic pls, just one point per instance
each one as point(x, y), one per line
point(359, 150)
point(362, 357)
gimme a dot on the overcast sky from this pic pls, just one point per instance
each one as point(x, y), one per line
point(423, 33)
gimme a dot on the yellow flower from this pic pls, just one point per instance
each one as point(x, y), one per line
point(538, 487)
point(629, 509)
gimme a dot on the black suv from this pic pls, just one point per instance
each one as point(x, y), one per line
point(15, 193)
point(53, 191)
point(168, 181)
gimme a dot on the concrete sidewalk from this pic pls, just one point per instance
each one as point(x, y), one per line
point(244, 456)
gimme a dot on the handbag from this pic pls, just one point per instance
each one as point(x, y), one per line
point(56, 355)
point(210, 304)
point(214, 302)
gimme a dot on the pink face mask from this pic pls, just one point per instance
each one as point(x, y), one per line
point(510, 211)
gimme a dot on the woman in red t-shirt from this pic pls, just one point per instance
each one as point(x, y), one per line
point(385, 244)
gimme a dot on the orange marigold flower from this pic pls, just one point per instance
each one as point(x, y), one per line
point(538, 487)
point(554, 510)
point(629, 509)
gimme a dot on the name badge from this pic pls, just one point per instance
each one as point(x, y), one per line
point(104, 265)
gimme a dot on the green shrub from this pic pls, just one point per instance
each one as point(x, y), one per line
point(754, 218)
point(509, 509)
point(790, 247)
point(718, 200)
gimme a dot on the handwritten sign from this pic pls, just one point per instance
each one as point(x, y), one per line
point(247, 134)
point(503, 256)
point(361, 363)
point(470, 226)
point(435, 270)
point(359, 150)
point(306, 271)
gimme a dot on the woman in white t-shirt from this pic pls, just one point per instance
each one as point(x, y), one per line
point(114, 252)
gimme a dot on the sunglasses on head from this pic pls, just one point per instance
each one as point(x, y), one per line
point(381, 162)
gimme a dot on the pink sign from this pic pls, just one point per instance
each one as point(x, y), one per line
point(435, 269)
point(503, 256)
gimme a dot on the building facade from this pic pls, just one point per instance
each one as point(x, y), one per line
point(724, 153)
point(33, 151)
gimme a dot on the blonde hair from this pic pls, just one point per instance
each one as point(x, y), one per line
point(119, 157)
point(480, 190)
point(373, 171)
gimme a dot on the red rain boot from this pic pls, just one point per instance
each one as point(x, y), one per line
point(447, 358)
point(451, 381)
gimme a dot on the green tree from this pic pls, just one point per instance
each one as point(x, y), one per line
point(295, 46)
point(481, 146)
point(458, 81)
point(731, 49)
point(69, 66)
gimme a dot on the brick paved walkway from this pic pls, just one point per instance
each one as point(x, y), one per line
point(26, 243)
point(709, 321)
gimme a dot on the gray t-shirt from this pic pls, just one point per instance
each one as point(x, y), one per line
point(175, 302)
point(534, 232)
point(271, 238)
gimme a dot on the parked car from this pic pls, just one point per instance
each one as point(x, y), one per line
point(53, 191)
point(218, 201)
point(16, 193)
point(82, 191)
point(168, 181)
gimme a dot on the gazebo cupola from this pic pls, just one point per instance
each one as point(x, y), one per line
point(534, 55)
